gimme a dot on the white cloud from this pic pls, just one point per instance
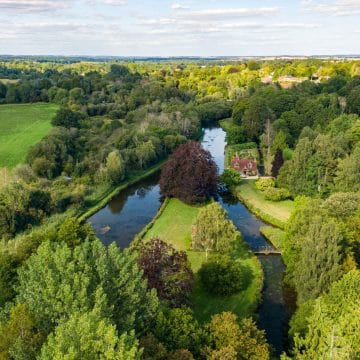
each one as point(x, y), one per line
point(33, 5)
point(336, 8)
point(114, 2)
point(223, 14)
point(178, 6)
point(296, 26)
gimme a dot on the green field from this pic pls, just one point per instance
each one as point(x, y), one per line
point(21, 126)
point(275, 213)
point(174, 226)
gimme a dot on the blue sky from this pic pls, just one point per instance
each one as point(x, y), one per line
point(180, 28)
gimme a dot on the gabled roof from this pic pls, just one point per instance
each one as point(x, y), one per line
point(241, 164)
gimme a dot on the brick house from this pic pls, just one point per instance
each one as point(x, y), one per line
point(246, 167)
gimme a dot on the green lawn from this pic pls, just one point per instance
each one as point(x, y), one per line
point(174, 226)
point(276, 213)
point(21, 126)
point(274, 235)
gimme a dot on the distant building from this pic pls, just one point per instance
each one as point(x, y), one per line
point(267, 80)
point(246, 167)
point(290, 78)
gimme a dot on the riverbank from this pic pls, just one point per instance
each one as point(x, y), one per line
point(101, 198)
point(274, 235)
point(173, 224)
point(274, 213)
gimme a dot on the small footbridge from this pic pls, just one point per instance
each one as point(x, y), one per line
point(266, 250)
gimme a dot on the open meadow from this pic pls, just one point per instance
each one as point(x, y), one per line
point(21, 126)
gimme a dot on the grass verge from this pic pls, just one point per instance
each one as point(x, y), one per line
point(173, 225)
point(274, 235)
point(274, 213)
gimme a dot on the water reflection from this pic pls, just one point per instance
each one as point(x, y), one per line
point(129, 212)
point(273, 312)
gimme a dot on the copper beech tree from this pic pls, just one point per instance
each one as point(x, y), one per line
point(190, 174)
point(167, 270)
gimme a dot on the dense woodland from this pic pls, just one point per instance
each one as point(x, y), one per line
point(116, 121)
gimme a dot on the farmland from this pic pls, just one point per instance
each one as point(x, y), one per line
point(21, 126)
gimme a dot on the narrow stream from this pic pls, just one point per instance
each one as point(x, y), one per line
point(130, 211)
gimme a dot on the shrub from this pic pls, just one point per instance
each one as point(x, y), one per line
point(230, 177)
point(222, 276)
point(277, 194)
point(264, 183)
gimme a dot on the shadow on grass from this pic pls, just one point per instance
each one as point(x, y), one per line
point(206, 304)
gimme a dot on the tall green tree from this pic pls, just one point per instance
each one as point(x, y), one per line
point(333, 323)
point(19, 338)
point(178, 329)
point(255, 117)
point(66, 118)
point(115, 167)
point(348, 173)
point(58, 281)
point(213, 231)
point(319, 262)
point(242, 339)
point(89, 336)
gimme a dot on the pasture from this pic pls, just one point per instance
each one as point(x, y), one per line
point(21, 126)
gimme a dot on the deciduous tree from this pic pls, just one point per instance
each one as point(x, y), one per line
point(213, 231)
point(167, 270)
point(190, 174)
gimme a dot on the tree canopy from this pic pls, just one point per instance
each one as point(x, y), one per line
point(189, 174)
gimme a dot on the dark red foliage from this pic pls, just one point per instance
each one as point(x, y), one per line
point(167, 270)
point(277, 163)
point(190, 174)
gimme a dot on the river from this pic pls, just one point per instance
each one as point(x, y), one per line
point(134, 208)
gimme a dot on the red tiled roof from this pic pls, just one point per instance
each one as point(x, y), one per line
point(241, 165)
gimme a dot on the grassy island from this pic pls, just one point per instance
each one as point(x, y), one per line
point(174, 225)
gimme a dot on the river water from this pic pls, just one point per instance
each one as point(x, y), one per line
point(129, 212)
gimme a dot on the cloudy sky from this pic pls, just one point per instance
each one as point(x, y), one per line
point(184, 28)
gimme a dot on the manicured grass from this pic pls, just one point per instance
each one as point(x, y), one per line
point(275, 213)
point(243, 304)
point(174, 226)
point(274, 235)
point(21, 126)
